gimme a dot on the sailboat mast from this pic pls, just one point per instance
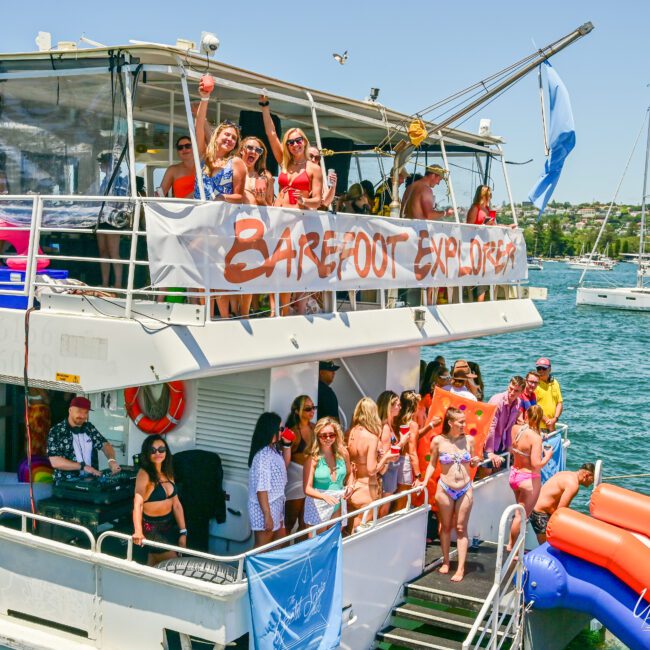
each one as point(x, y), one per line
point(639, 275)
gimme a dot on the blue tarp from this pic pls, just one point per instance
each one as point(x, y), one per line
point(296, 594)
point(562, 139)
point(557, 462)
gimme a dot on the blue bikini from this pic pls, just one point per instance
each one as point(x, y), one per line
point(217, 185)
point(456, 459)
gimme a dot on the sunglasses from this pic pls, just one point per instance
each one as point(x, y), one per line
point(180, 147)
point(292, 141)
point(313, 157)
point(310, 408)
point(541, 369)
point(230, 123)
point(327, 436)
point(253, 149)
point(158, 450)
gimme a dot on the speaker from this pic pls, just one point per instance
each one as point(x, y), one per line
point(252, 125)
point(340, 163)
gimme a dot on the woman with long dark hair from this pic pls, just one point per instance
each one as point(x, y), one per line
point(269, 456)
point(157, 511)
point(455, 451)
point(408, 426)
point(299, 421)
point(388, 408)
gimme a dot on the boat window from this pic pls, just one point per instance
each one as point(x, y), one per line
point(64, 135)
point(467, 173)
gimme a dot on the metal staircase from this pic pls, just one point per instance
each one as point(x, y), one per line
point(485, 610)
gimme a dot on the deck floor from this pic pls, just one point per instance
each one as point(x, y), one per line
point(479, 571)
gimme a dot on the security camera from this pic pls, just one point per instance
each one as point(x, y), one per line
point(209, 43)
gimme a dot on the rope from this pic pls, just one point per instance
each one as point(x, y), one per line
point(622, 476)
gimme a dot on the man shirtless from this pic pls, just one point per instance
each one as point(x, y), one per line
point(418, 201)
point(558, 492)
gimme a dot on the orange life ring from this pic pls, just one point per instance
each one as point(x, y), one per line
point(164, 424)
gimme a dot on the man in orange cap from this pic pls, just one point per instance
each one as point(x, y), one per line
point(72, 444)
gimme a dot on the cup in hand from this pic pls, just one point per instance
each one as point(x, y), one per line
point(287, 434)
point(493, 215)
point(260, 185)
point(395, 449)
point(206, 84)
point(404, 429)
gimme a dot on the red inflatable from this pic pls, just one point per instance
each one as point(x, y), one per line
point(621, 507)
point(168, 421)
point(607, 546)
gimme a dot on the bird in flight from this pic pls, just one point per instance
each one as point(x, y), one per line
point(341, 58)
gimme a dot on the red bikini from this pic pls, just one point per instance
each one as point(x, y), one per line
point(300, 182)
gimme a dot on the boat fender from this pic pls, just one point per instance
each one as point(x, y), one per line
point(168, 421)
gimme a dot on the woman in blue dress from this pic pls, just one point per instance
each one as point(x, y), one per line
point(223, 172)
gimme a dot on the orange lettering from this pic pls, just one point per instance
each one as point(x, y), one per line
point(422, 270)
point(307, 245)
point(379, 272)
point(362, 237)
point(283, 251)
point(392, 241)
point(346, 251)
point(475, 256)
point(236, 272)
point(325, 251)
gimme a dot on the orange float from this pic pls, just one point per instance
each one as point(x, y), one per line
point(168, 421)
point(603, 544)
point(621, 507)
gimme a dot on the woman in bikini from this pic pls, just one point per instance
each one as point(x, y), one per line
point(388, 408)
point(528, 458)
point(157, 511)
point(455, 451)
point(327, 479)
point(181, 177)
point(300, 422)
point(300, 181)
point(363, 447)
point(410, 467)
point(223, 172)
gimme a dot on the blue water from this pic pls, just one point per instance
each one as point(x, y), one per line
point(601, 357)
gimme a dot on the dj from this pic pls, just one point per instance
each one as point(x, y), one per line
point(72, 444)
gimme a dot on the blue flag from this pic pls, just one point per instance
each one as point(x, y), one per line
point(558, 461)
point(562, 138)
point(296, 594)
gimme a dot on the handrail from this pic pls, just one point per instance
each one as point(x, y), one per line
point(65, 524)
point(502, 573)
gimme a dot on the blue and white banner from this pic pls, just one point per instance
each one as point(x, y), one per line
point(557, 462)
point(296, 595)
point(562, 138)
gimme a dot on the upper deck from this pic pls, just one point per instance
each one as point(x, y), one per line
point(367, 276)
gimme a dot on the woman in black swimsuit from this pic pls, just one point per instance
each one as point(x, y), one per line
point(157, 511)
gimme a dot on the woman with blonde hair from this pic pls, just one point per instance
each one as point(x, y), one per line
point(223, 172)
point(408, 426)
point(480, 214)
point(299, 421)
point(363, 447)
point(528, 458)
point(388, 408)
point(326, 468)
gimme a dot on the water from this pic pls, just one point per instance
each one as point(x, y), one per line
point(601, 359)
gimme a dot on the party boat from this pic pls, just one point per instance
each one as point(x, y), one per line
point(68, 582)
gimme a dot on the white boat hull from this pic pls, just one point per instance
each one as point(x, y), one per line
point(615, 297)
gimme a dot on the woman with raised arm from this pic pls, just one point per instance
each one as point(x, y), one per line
point(300, 181)
point(363, 447)
point(157, 511)
point(327, 479)
point(455, 451)
point(268, 459)
point(223, 173)
point(180, 178)
point(299, 421)
point(528, 458)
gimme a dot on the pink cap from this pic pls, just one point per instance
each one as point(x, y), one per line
point(543, 362)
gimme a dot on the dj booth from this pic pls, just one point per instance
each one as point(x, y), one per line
point(90, 501)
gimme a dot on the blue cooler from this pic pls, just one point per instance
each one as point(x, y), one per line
point(15, 281)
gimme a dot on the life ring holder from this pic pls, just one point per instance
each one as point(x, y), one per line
point(168, 421)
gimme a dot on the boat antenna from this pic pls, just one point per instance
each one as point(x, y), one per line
point(640, 268)
point(611, 205)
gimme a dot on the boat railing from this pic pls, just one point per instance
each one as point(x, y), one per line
point(490, 628)
point(231, 560)
point(77, 217)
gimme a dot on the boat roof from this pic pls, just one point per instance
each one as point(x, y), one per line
point(363, 122)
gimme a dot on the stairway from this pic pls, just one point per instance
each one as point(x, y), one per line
point(437, 614)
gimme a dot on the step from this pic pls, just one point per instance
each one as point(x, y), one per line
point(416, 640)
point(442, 597)
point(436, 617)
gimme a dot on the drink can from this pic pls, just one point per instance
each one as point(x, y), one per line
point(136, 460)
point(476, 540)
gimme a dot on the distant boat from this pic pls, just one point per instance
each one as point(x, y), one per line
point(535, 264)
point(638, 297)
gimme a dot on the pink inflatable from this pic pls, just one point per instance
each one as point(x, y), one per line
point(19, 239)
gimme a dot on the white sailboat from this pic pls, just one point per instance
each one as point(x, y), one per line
point(635, 298)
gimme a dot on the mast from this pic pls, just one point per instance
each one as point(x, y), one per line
point(639, 273)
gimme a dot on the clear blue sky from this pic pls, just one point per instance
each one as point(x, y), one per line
point(417, 53)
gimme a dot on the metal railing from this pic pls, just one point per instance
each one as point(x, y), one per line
point(231, 560)
point(128, 294)
point(490, 629)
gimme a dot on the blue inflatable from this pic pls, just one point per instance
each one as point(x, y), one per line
point(557, 579)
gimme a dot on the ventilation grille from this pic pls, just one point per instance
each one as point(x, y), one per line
point(225, 420)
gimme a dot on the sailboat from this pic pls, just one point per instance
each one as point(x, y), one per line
point(638, 297)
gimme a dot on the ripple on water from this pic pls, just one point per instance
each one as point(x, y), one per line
point(600, 358)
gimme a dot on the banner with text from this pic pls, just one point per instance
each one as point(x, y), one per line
point(261, 249)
